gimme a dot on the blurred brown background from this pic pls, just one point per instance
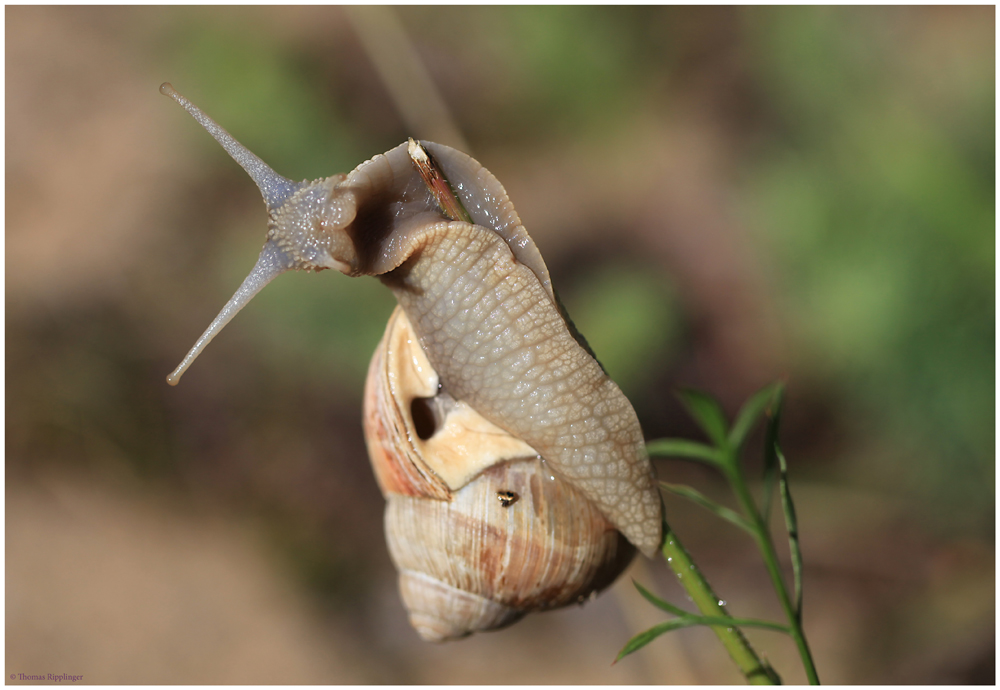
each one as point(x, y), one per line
point(724, 197)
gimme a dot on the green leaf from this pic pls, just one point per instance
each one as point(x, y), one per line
point(770, 451)
point(689, 621)
point(741, 623)
point(728, 621)
point(644, 638)
point(660, 603)
point(791, 521)
point(680, 448)
point(705, 502)
point(748, 415)
point(707, 412)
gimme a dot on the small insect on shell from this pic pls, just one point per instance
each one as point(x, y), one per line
point(507, 497)
point(514, 469)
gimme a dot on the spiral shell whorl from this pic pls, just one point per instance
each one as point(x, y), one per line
point(478, 548)
point(477, 562)
point(439, 612)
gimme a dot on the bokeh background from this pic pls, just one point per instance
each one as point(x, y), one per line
point(724, 196)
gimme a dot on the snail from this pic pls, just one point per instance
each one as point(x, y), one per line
point(514, 470)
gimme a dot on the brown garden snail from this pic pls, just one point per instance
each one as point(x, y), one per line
point(514, 469)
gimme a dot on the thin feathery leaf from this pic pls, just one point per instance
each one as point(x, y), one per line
point(770, 455)
point(680, 448)
point(791, 521)
point(705, 502)
point(660, 603)
point(645, 637)
point(741, 623)
point(748, 415)
point(707, 412)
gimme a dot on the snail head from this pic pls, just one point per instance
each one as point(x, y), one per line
point(306, 227)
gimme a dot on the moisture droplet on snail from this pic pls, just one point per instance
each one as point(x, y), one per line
point(514, 470)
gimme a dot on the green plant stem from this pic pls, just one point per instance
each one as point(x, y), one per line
point(692, 580)
point(762, 535)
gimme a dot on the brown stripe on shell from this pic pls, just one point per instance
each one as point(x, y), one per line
point(551, 548)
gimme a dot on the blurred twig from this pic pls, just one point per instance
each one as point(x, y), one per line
point(410, 85)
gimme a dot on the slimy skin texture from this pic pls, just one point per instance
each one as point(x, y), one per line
point(499, 345)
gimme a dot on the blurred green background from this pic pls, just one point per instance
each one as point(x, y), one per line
point(724, 196)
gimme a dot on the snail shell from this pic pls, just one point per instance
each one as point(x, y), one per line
point(509, 460)
point(478, 526)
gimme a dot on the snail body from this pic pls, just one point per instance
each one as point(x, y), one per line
point(514, 469)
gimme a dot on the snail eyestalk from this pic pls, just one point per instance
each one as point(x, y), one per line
point(273, 186)
point(276, 190)
point(271, 263)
